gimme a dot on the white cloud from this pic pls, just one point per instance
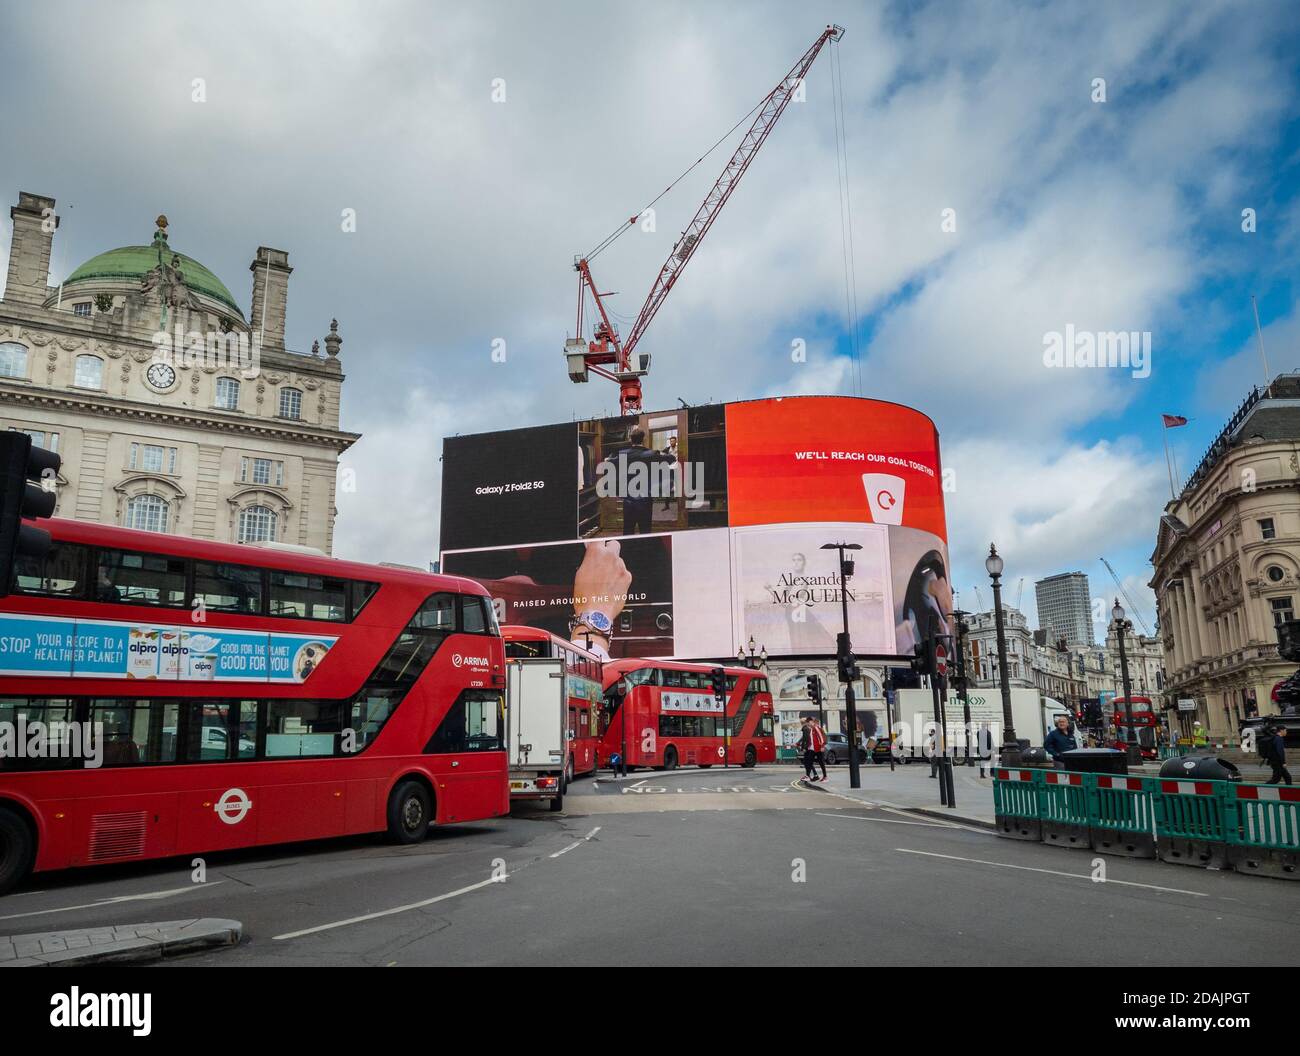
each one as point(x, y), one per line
point(1048, 509)
point(469, 212)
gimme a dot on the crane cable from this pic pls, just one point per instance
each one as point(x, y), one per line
point(623, 227)
point(846, 218)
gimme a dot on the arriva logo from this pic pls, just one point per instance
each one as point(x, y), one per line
point(474, 661)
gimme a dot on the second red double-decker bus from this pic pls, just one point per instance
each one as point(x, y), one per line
point(662, 713)
point(1133, 721)
point(165, 696)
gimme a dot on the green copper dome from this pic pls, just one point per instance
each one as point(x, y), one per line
point(134, 262)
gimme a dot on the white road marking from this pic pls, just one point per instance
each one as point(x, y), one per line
point(1057, 872)
point(592, 833)
point(390, 912)
point(147, 896)
point(566, 850)
point(887, 821)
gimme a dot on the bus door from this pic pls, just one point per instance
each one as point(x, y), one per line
point(225, 815)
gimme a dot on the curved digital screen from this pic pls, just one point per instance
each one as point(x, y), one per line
point(692, 530)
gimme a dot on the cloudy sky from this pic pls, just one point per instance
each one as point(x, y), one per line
point(1123, 214)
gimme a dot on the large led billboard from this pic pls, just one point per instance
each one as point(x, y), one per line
point(693, 530)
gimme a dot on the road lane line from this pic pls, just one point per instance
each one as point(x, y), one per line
point(592, 833)
point(1056, 872)
point(390, 912)
point(106, 902)
point(566, 850)
point(886, 821)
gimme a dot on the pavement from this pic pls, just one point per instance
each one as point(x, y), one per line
point(910, 787)
point(115, 944)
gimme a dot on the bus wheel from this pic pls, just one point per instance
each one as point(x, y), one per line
point(409, 813)
point(17, 850)
point(751, 756)
point(670, 758)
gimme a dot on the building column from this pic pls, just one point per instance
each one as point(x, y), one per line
point(1197, 611)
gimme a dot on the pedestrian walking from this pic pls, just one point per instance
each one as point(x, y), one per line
point(819, 745)
point(984, 744)
point(805, 746)
point(1272, 749)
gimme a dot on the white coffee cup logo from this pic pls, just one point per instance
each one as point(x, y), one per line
point(885, 497)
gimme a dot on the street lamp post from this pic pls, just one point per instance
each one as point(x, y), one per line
point(993, 564)
point(747, 658)
point(1132, 751)
point(845, 660)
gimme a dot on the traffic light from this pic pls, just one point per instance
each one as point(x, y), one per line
point(847, 662)
point(815, 690)
point(922, 661)
point(22, 468)
point(719, 677)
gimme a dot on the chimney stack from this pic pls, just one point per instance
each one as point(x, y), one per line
point(271, 273)
point(29, 252)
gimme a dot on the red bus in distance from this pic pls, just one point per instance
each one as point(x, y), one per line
point(1142, 731)
point(583, 677)
point(243, 696)
point(666, 712)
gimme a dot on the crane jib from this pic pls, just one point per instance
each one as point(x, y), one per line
point(606, 349)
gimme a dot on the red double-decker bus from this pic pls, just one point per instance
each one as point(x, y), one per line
point(1133, 720)
point(584, 684)
point(666, 714)
point(197, 696)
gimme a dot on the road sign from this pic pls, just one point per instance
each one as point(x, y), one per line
point(941, 660)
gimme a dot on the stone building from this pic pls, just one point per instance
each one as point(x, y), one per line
point(982, 649)
point(1227, 565)
point(172, 412)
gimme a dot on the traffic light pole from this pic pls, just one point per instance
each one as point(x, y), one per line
point(889, 712)
point(846, 650)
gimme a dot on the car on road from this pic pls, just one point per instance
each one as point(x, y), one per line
point(880, 750)
point(837, 749)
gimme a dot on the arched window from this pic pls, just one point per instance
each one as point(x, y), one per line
point(227, 394)
point(13, 360)
point(256, 525)
point(148, 513)
point(90, 373)
point(291, 403)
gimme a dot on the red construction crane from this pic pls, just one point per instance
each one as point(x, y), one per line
point(605, 354)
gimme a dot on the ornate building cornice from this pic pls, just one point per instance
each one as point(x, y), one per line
point(207, 420)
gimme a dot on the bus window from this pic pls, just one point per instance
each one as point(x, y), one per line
point(308, 597)
point(472, 724)
point(302, 727)
point(644, 676)
point(150, 579)
point(475, 614)
point(137, 731)
point(228, 588)
point(61, 573)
